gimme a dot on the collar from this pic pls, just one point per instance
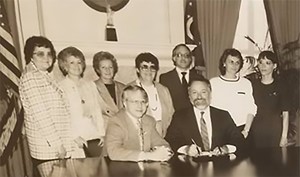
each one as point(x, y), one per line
point(179, 71)
point(229, 80)
point(135, 120)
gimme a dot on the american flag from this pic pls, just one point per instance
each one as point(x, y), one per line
point(11, 122)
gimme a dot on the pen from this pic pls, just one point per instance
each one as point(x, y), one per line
point(220, 150)
point(197, 147)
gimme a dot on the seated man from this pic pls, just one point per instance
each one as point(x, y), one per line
point(201, 126)
point(131, 134)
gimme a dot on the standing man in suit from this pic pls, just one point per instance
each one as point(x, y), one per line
point(201, 126)
point(177, 79)
point(131, 134)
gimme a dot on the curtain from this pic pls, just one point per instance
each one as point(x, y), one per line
point(284, 23)
point(217, 22)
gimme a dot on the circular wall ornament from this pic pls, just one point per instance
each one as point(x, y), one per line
point(100, 5)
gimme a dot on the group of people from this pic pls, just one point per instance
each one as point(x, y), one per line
point(146, 120)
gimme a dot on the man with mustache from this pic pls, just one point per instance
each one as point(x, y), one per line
point(201, 126)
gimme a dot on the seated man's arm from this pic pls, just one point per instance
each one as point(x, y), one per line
point(174, 134)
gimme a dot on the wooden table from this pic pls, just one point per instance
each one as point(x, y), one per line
point(263, 162)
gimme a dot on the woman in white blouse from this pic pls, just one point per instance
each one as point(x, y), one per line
point(82, 95)
point(160, 101)
point(233, 93)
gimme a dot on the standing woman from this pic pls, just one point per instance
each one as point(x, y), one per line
point(270, 126)
point(160, 101)
point(47, 117)
point(110, 90)
point(233, 93)
point(82, 95)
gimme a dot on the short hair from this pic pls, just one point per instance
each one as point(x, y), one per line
point(232, 52)
point(176, 47)
point(201, 79)
point(146, 57)
point(103, 55)
point(134, 88)
point(269, 55)
point(67, 52)
point(38, 41)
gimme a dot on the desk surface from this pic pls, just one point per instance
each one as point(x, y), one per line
point(263, 162)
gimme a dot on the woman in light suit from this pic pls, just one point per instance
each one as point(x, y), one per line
point(82, 96)
point(110, 90)
point(160, 101)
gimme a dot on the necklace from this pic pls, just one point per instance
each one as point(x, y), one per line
point(150, 90)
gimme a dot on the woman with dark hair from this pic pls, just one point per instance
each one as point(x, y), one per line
point(47, 119)
point(233, 93)
point(82, 96)
point(160, 101)
point(270, 126)
point(110, 90)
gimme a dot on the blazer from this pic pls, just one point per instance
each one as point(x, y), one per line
point(47, 117)
point(171, 80)
point(86, 111)
point(109, 107)
point(122, 137)
point(166, 105)
point(184, 127)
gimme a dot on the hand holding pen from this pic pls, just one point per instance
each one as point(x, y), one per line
point(194, 150)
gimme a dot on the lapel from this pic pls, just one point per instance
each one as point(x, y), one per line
point(214, 123)
point(192, 127)
point(119, 90)
point(175, 78)
point(106, 95)
point(129, 126)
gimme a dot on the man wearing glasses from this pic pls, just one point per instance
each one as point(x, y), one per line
point(177, 79)
point(131, 135)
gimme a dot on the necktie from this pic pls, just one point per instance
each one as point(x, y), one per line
point(204, 134)
point(184, 81)
point(141, 134)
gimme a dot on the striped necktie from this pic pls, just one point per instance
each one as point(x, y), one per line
point(141, 134)
point(204, 134)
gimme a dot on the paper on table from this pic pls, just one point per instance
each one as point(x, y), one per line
point(231, 148)
point(184, 150)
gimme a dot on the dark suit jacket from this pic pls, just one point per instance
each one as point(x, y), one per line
point(172, 81)
point(184, 127)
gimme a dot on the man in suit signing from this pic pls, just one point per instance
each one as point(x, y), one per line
point(177, 79)
point(201, 126)
point(131, 134)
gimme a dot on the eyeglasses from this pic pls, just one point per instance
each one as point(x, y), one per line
point(186, 55)
point(146, 67)
point(137, 102)
point(43, 54)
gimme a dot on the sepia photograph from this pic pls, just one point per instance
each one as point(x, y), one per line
point(149, 88)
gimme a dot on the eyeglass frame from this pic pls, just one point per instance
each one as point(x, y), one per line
point(41, 54)
point(143, 102)
point(146, 67)
point(186, 55)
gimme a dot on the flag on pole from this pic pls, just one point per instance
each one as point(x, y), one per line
point(11, 122)
point(192, 35)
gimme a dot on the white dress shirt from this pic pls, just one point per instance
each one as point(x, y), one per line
point(187, 76)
